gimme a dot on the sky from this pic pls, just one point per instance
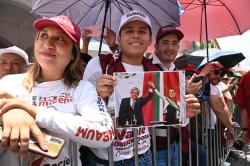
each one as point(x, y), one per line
point(239, 43)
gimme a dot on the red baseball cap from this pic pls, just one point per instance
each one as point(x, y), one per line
point(168, 30)
point(217, 66)
point(63, 22)
point(190, 67)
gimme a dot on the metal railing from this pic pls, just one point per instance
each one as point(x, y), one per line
point(211, 140)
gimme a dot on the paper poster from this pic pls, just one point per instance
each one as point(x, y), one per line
point(149, 98)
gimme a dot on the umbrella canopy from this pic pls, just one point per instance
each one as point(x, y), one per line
point(214, 18)
point(184, 60)
point(92, 12)
point(227, 58)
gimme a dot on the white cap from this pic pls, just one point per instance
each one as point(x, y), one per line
point(133, 16)
point(15, 50)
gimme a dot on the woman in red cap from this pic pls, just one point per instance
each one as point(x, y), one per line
point(53, 96)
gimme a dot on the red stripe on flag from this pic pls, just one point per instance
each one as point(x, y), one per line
point(148, 109)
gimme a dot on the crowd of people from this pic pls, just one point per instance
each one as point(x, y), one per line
point(69, 94)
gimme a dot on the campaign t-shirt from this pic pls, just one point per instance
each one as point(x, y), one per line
point(76, 114)
point(123, 142)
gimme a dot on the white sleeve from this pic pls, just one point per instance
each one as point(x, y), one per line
point(93, 70)
point(214, 90)
point(92, 127)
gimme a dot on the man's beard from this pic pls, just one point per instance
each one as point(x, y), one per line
point(215, 81)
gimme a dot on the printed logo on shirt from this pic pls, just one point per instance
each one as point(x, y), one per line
point(65, 162)
point(64, 98)
point(123, 143)
point(92, 134)
point(100, 104)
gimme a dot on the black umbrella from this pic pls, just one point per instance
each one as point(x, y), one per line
point(227, 58)
point(108, 12)
point(184, 60)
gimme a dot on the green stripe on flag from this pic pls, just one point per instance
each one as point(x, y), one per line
point(157, 98)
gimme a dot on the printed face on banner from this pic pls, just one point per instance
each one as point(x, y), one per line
point(149, 98)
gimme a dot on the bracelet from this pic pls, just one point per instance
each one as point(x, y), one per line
point(244, 129)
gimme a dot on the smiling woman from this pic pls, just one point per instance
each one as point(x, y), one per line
point(52, 96)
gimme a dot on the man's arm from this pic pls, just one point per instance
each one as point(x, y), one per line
point(149, 96)
point(220, 109)
point(110, 39)
point(86, 39)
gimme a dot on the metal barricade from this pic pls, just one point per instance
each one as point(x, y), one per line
point(73, 153)
point(211, 140)
point(23, 161)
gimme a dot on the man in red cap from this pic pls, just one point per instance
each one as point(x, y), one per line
point(218, 104)
point(166, 49)
point(190, 70)
point(217, 101)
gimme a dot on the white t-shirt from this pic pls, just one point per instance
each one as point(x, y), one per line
point(215, 92)
point(76, 114)
point(122, 144)
point(227, 94)
point(157, 61)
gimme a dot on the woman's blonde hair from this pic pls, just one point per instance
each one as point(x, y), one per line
point(72, 74)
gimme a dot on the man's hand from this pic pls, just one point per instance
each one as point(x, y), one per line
point(105, 85)
point(151, 85)
point(229, 133)
point(86, 40)
point(192, 106)
point(229, 86)
point(207, 69)
point(17, 127)
point(193, 87)
point(111, 37)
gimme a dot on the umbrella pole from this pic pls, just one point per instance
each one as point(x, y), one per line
point(206, 32)
point(103, 25)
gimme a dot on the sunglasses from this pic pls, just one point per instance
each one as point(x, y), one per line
point(219, 72)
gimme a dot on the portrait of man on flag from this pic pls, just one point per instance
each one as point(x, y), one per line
point(149, 98)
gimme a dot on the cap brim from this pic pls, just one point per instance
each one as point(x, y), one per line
point(19, 53)
point(39, 24)
point(188, 69)
point(135, 18)
point(177, 32)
